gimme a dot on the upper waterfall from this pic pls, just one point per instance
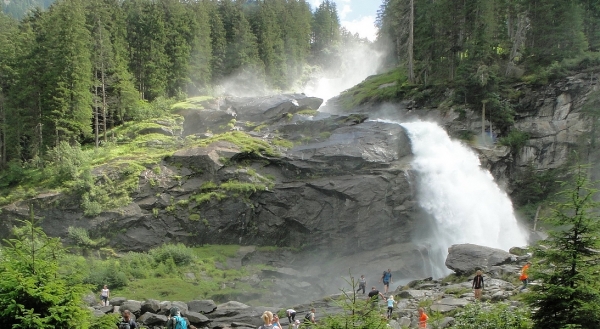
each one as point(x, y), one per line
point(465, 202)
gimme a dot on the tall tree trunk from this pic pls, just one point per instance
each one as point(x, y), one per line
point(411, 68)
point(96, 110)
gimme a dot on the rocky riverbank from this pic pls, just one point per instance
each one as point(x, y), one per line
point(444, 296)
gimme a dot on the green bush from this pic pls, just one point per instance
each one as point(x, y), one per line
point(515, 139)
point(492, 316)
point(179, 253)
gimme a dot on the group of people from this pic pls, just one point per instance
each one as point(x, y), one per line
point(271, 321)
point(175, 321)
point(477, 284)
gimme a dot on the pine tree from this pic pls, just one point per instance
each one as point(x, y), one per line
point(8, 55)
point(200, 70)
point(35, 292)
point(67, 79)
point(567, 295)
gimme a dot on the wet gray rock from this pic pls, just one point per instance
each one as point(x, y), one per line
point(133, 306)
point(90, 299)
point(467, 258)
point(149, 318)
point(196, 318)
point(117, 301)
point(150, 305)
point(202, 306)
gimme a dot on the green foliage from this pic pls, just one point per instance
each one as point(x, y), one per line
point(532, 186)
point(35, 291)
point(81, 238)
point(179, 253)
point(247, 143)
point(568, 261)
point(492, 316)
point(379, 88)
point(106, 321)
point(515, 139)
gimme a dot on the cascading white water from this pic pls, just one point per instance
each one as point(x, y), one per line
point(463, 199)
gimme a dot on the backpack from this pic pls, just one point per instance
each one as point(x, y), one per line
point(308, 316)
point(124, 325)
point(179, 322)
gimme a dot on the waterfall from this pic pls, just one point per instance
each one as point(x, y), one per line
point(464, 202)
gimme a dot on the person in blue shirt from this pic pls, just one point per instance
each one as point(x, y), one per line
point(386, 278)
point(390, 303)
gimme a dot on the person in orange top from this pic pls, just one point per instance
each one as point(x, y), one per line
point(524, 275)
point(422, 318)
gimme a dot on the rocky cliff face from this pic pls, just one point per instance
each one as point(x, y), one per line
point(338, 187)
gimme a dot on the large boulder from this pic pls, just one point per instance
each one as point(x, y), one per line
point(133, 306)
point(197, 319)
point(150, 305)
point(150, 319)
point(467, 258)
point(202, 306)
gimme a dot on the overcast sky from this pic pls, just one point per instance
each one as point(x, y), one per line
point(357, 16)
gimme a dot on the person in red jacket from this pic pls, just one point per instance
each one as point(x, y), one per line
point(422, 318)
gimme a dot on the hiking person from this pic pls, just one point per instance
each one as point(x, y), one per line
point(104, 295)
point(291, 315)
point(310, 317)
point(386, 278)
point(477, 284)
point(267, 318)
point(126, 321)
point(374, 296)
point(422, 318)
point(362, 284)
point(390, 304)
point(525, 275)
point(175, 320)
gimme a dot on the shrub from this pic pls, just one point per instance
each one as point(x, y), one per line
point(492, 316)
point(179, 253)
point(516, 139)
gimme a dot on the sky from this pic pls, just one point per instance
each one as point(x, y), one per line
point(357, 16)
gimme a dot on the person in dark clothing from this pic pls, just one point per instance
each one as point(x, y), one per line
point(374, 297)
point(478, 284)
point(127, 322)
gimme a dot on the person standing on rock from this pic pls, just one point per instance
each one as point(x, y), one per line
point(362, 284)
point(374, 296)
point(390, 304)
point(524, 275)
point(104, 295)
point(267, 318)
point(478, 285)
point(386, 278)
point(422, 318)
point(291, 315)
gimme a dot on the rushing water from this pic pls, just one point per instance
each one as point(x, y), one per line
point(465, 203)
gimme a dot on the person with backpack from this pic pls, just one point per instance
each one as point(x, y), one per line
point(310, 317)
point(127, 322)
point(386, 278)
point(176, 321)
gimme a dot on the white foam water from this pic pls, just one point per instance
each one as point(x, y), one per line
point(463, 199)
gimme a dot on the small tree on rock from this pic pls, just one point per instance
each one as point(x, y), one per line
point(568, 295)
point(35, 292)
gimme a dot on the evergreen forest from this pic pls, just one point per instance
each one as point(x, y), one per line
point(82, 67)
